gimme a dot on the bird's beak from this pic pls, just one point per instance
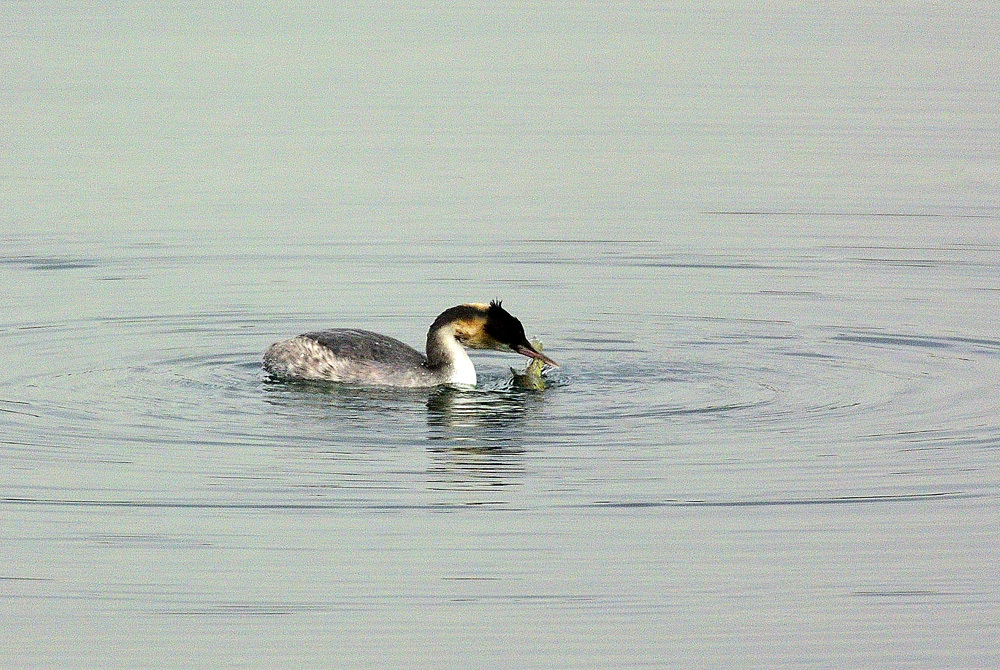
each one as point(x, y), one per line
point(529, 351)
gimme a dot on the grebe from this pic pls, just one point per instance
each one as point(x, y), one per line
point(361, 356)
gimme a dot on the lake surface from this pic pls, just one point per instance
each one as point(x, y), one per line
point(763, 246)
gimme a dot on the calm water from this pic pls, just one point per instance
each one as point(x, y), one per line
point(764, 247)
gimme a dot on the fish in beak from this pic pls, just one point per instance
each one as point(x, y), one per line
point(525, 349)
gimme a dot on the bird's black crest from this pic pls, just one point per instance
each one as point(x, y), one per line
point(504, 327)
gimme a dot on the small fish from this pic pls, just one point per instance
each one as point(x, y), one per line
point(532, 377)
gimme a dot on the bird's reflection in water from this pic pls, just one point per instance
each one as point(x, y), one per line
point(477, 437)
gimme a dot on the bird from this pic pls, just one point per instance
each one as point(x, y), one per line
point(364, 357)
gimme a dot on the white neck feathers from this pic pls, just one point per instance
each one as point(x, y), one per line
point(444, 353)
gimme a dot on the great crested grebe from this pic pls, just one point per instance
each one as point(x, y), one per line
point(361, 356)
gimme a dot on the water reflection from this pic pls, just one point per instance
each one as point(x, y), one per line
point(343, 402)
point(477, 437)
point(490, 415)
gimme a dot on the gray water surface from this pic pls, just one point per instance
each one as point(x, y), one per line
point(763, 246)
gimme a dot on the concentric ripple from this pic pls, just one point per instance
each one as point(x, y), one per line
point(171, 407)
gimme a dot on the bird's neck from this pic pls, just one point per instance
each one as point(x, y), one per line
point(445, 354)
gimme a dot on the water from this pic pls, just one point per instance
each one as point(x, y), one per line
point(763, 248)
